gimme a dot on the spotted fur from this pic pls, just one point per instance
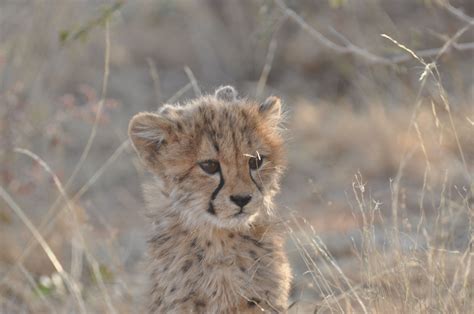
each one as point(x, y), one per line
point(211, 253)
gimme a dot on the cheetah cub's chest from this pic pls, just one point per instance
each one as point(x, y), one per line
point(238, 268)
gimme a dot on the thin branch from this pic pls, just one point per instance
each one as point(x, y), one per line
point(456, 12)
point(156, 80)
point(311, 30)
point(269, 58)
point(179, 93)
point(98, 115)
point(51, 212)
point(451, 41)
point(44, 245)
point(70, 207)
point(349, 48)
point(99, 172)
point(192, 79)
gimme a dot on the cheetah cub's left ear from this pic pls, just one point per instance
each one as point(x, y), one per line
point(227, 93)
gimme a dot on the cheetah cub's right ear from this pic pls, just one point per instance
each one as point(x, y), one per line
point(148, 132)
point(227, 93)
point(270, 110)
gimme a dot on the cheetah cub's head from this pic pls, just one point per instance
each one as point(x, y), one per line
point(217, 159)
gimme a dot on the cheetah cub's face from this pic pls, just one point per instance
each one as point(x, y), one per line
point(217, 159)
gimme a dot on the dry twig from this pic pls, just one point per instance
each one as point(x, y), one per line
point(349, 48)
point(45, 246)
point(193, 81)
point(269, 58)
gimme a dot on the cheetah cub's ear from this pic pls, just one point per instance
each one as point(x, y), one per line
point(148, 132)
point(270, 110)
point(227, 93)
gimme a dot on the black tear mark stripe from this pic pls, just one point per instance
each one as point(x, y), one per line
point(211, 209)
point(214, 194)
point(219, 187)
point(255, 182)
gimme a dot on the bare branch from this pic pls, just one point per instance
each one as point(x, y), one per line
point(192, 79)
point(45, 246)
point(100, 107)
point(350, 48)
point(179, 93)
point(456, 12)
point(156, 80)
point(269, 58)
point(450, 43)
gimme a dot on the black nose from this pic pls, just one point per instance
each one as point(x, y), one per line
point(240, 200)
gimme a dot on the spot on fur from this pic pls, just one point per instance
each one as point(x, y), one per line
point(253, 254)
point(199, 303)
point(187, 265)
point(200, 255)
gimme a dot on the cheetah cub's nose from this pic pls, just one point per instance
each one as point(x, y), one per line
point(240, 200)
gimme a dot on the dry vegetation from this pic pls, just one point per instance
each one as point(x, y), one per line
point(379, 193)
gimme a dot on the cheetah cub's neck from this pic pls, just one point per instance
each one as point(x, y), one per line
point(215, 246)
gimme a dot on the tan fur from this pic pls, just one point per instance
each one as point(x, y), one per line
point(205, 257)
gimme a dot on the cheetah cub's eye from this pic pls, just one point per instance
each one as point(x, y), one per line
point(210, 166)
point(256, 162)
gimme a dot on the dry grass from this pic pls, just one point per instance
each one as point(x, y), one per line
point(416, 266)
point(379, 193)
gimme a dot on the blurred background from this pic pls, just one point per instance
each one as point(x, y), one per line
point(380, 143)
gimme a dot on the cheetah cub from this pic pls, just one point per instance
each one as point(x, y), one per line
point(215, 246)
